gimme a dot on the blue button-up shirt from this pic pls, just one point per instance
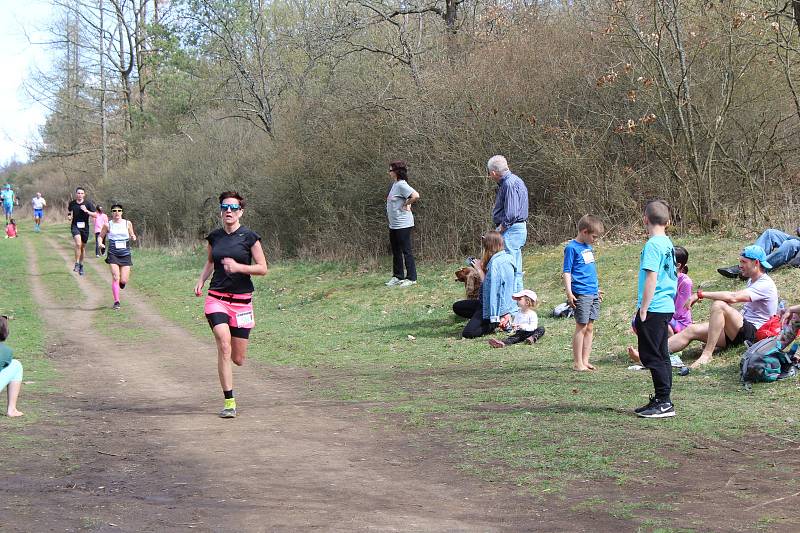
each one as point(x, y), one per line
point(511, 201)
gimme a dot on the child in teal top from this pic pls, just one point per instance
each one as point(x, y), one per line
point(10, 371)
point(658, 284)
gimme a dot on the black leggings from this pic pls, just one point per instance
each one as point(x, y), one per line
point(400, 239)
point(477, 325)
point(215, 319)
point(96, 243)
point(521, 335)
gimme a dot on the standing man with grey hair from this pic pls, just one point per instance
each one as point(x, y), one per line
point(510, 213)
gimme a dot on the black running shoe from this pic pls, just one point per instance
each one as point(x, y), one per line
point(77, 267)
point(731, 272)
point(116, 306)
point(650, 404)
point(659, 410)
point(80, 269)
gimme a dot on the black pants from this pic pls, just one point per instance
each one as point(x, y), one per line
point(654, 351)
point(521, 335)
point(400, 239)
point(477, 325)
point(96, 243)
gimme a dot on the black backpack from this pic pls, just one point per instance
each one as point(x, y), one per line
point(764, 362)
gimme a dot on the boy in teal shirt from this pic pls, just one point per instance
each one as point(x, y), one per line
point(658, 283)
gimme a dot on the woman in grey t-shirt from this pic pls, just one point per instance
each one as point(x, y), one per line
point(401, 220)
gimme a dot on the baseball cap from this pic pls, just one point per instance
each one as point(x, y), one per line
point(756, 253)
point(525, 292)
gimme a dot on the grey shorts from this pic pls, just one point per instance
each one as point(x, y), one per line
point(587, 307)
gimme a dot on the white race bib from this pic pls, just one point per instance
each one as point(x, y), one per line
point(120, 245)
point(244, 319)
point(80, 225)
point(588, 256)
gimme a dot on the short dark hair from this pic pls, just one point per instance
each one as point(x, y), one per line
point(400, 169)
point(80, 189)
point(591, 223)
point(657, 212)
point(232, 194)
point(3, 328)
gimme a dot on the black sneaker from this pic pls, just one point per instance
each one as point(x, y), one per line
point(649, 405)
point(80, 269)
point(658, 410)
point(116, 306)
point(77, 267)
point(731, 272)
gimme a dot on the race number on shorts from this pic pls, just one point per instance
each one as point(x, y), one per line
point(80, 225)
point(244, 319)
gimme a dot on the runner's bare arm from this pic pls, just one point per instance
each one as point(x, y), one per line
point(130, 230)
point(258, 268)
point(208, 268)
point(103, 233)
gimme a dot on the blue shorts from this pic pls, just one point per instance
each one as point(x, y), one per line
point(38, 213)
point(8, 208)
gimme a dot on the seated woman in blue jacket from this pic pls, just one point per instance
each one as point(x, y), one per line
point(494, 305)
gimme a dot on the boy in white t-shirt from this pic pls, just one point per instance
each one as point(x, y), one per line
point(525, 325)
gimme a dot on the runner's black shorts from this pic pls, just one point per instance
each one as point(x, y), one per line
point(84, 233)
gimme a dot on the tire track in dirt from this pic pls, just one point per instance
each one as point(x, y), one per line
point(153, 456)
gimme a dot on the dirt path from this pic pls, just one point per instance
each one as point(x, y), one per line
point(138, 446)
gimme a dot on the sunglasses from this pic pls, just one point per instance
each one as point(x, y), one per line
point(232, 207)
point(116, 210)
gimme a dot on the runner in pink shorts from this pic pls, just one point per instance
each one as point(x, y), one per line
point(234, 254)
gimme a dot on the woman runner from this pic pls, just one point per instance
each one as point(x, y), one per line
point(234, 254)
point(115, 237)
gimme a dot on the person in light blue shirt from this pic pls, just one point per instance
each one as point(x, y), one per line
point(658, 284)
point(510, 213)
point(495, 305)
point(8, 198)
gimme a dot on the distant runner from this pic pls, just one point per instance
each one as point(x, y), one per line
point(115, 237)
point(7, 195)
point(38, 203)
point(234, 254)
point(78, 212)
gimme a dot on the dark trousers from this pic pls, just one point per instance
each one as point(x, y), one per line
point(477, 325)
point(97, 243)
point(654, 351)
point(521, 335)
point(400, 239)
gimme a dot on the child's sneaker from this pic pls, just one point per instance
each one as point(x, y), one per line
point(406, 283)
point(659, 409)
point(675, 360)
point(392, 282)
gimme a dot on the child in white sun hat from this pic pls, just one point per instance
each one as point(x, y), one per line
point(526, 322)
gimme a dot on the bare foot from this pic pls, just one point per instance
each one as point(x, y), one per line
point(580, 369)
point(703, 360)
point(14, 412)
point(633, 355)
point(590, 366)
point(496, 343)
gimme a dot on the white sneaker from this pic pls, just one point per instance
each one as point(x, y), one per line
point(392, 282)
point(406, 283)
point(675, 360)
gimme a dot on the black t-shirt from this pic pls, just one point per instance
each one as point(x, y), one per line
point(77, 213)
point(237, 246)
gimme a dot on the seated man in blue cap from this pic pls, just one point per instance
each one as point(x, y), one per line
point(728, 326)
point(781, 248)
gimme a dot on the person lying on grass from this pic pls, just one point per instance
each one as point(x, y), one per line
point(525, 326)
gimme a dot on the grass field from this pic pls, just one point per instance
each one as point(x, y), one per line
point(26, 337)
point(519, 414)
